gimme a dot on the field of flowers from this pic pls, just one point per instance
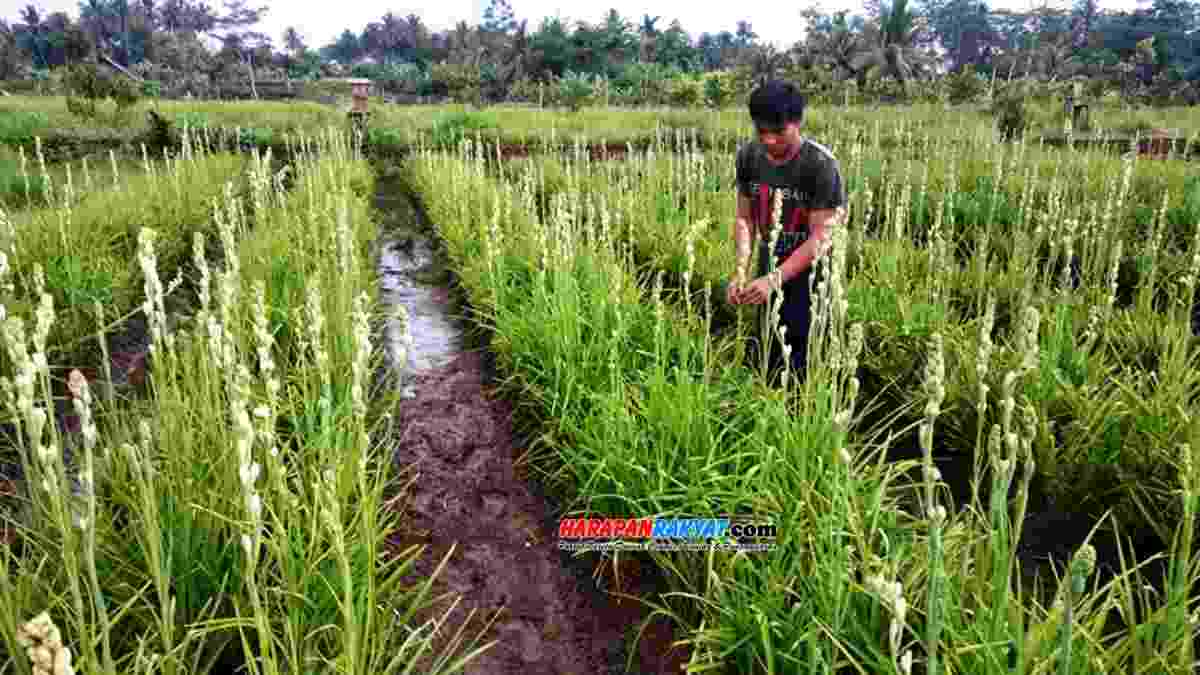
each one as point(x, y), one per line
point(232, 513)
point(1028, 307)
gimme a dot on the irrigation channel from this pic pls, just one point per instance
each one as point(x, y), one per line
point(548, 614)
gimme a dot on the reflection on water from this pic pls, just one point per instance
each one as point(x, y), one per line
point(434, 336)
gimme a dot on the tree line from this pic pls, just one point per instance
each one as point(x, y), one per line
point(190, 46)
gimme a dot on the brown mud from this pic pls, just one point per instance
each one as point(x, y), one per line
point(1157, 144)
point(549, 618)
point(596, 151)
point(458, 438)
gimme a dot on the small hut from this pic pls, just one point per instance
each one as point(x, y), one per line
point(1159, 146)
point(360, 90)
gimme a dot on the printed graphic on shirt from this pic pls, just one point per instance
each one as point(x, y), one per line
point(811, 180)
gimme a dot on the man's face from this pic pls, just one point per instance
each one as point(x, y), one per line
point(779, 141)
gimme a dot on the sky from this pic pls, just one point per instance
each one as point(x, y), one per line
point(321, 22)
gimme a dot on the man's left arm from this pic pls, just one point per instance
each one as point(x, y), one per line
point(829, 212)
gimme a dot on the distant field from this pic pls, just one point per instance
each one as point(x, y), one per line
point(23, 117)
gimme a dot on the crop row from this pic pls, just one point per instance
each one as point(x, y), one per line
point(648, 414)
point(235, 515)
point(1111, 272)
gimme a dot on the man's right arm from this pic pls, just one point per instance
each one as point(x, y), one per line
point(743, 237)
point(743, 228)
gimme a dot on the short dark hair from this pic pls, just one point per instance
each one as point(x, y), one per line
point(775, 103)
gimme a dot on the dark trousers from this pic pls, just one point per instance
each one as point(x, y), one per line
point(795, 313)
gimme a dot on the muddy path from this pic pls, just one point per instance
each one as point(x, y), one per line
point(462, 442)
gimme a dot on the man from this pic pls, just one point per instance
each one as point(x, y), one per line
point(814, 200)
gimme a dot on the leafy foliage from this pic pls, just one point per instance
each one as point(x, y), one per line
point(88, 88)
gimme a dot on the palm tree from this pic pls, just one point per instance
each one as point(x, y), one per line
point(891, 51)
point(32, 17)
point(512, 62)
point(1053, 58)
point(292, 40)
point(465, 45)
point(765, 61)
point(415, 32)
point(836, 47)
point(10, 54)
point(293, 46)
point(649, 33)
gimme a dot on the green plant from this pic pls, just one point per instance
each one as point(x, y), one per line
point(87, 88)
point(449, 130)
point(124, 92)
point(1009, 111)
point(155, 558)
point(19, 188)
point(576, 90)
point(965, 86)
point(608, 359)
point(463, 82)
point(687, 92)
point(152, 89)
point(18, 127)
point(66, 276)
point(718, 90)
point(193, 120)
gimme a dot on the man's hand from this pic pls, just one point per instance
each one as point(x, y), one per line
point(757, 292)
point(733, 292)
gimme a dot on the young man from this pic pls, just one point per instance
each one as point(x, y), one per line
point(814, 200)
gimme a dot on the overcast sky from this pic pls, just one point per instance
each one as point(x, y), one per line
point(320, 22)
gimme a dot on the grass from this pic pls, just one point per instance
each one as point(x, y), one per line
point(268, 388)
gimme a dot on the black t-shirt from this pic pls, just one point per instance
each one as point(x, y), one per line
point(810, 180)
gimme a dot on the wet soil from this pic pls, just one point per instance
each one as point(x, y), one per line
point(549, 617)
point(457, 435)
point(1158, 144)
point(596, 151)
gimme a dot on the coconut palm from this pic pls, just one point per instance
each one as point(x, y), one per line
point(649, 34)
point(465, 45)
point(1053, 58)
point(890, 48)
point(415, 32)
point(512, 61)
point(835, 46)
point(766, 61)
